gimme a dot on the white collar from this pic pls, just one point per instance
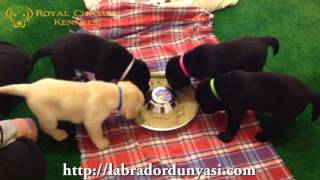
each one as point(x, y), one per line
point(125, 73)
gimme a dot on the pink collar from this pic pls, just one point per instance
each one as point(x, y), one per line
point(183, 68)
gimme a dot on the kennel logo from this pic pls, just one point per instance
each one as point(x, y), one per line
point(19, 18)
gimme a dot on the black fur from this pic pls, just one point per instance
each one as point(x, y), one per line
point(283, 96)
point(13, 70)
point(208, 60)
point(85, 52)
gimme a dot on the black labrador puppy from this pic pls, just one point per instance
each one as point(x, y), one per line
point(208, 60)
point(13, 70)
point(108, 60)
point(283, 96)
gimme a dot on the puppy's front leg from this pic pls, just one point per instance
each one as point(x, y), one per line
point(235, 117)
point(62, 67)
point(93, 126)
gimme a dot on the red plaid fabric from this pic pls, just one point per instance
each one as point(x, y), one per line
point(155, 34)
point(151, 33)
point(192, 146)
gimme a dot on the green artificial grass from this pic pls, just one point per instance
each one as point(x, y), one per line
point(39, 32)
point(293, 22)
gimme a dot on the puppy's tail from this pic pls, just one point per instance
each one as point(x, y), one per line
point(314, 98)
point(15, 89)
point(273, 42)
point(37, 55)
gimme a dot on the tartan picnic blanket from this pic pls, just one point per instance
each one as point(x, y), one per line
point(151, 33)
point(192, 146)
point(155, 34)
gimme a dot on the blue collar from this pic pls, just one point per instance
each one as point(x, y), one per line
point(120, 98)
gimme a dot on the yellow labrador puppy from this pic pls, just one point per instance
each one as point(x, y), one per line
point(89, 103)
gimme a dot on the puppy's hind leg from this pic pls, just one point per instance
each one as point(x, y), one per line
point(48, 124)
point(93, 125)
point(280, 122)
point(282, 119)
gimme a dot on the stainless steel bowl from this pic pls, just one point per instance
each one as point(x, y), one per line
point(165, 109)
point(161, 100)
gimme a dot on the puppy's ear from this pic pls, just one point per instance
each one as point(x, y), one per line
point(141, 75)
point(203, 91)
point(144, 87)
point(205, 98)
point(174, 75)
point(145, 75)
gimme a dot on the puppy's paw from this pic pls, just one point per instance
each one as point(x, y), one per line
point(60, 135)
point(226, 136)
point(102, 144)
point(262, 137)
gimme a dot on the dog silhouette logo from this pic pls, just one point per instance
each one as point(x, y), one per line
point(19, 18)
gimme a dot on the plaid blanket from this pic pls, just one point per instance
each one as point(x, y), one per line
point(155, 35)
point(151, 33)
point(192, 146)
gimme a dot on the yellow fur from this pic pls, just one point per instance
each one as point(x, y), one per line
point(88, 103)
